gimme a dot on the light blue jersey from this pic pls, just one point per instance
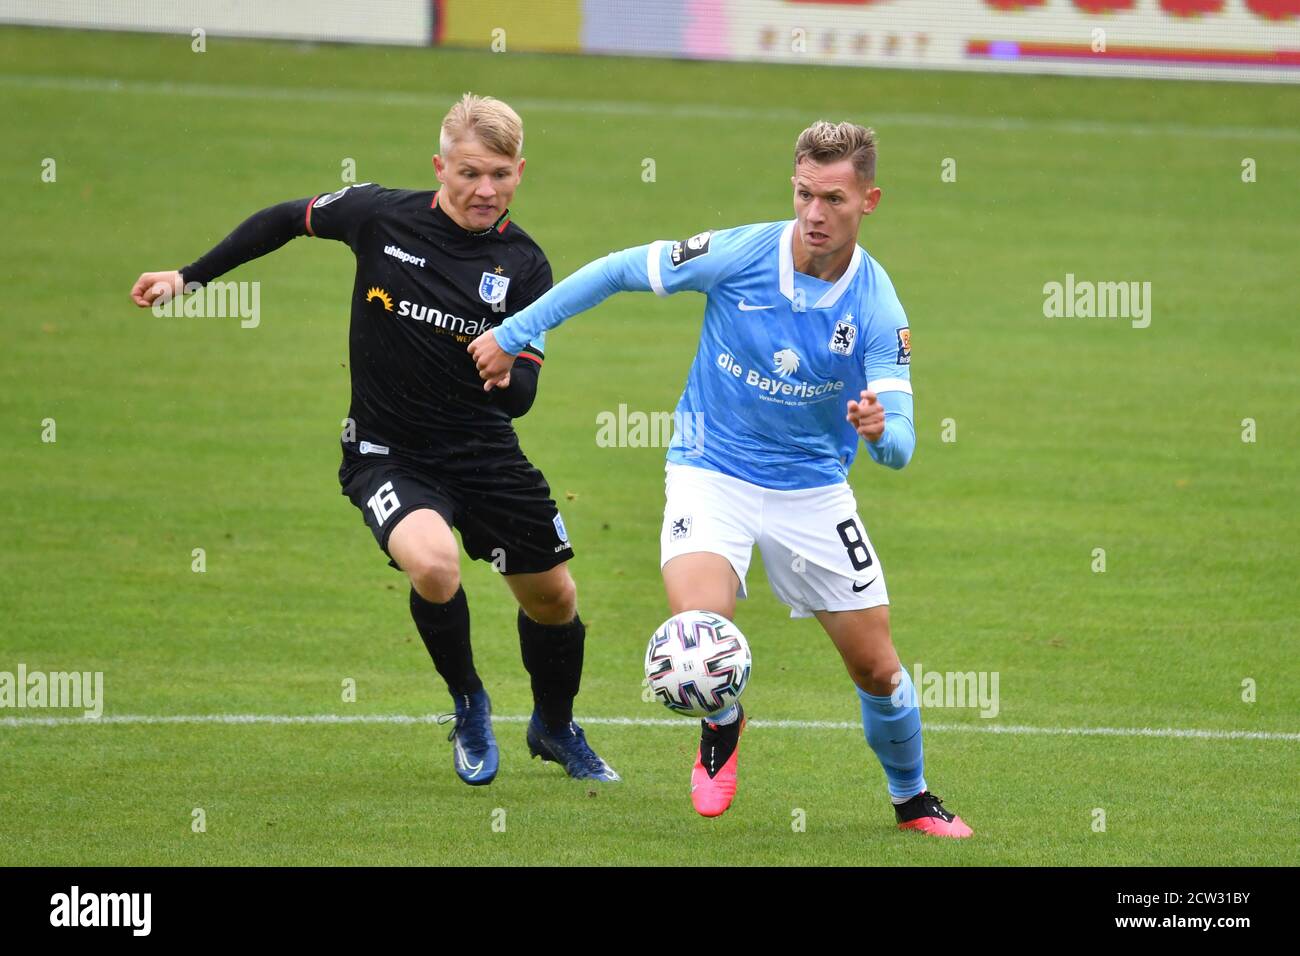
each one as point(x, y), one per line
point(780, 355)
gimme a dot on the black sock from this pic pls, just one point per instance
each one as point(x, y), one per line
point(553, 658)
point(445, 630)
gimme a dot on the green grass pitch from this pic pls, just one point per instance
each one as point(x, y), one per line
point(1071, 435)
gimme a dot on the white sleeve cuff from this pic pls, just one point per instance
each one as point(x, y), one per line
point(652, 267)
point(890, 385)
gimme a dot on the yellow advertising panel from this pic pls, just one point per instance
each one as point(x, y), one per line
point(504, 25)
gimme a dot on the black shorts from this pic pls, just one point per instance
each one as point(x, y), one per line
point(502, 507)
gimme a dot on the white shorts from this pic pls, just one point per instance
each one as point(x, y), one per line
point(814, 545)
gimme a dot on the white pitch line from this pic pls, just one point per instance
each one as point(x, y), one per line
point(712, 112)
point(1014, 730)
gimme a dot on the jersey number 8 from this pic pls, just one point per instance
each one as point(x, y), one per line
point(854, 544)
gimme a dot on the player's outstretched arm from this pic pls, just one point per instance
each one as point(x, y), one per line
point(494, 351)
point(263, 232)
point(696, 264)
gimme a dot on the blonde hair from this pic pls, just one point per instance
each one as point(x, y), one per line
point(824, 142)
point(492, 122)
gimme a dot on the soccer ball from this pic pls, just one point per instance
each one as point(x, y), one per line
point(697, 663)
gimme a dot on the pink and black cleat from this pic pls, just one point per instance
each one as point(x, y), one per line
point(925, 812)
point(713, 778)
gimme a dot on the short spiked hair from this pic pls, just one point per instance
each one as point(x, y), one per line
point(492, 122)
point(824, 142)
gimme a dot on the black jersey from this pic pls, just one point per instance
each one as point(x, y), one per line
point(424, 289)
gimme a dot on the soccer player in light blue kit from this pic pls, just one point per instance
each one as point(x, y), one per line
point(804, 348)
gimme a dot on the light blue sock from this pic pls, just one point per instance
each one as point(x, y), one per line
point(894, 733)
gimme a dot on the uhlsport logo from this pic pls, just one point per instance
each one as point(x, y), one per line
point(780, 386)
point(397, 252)
point(561, 533)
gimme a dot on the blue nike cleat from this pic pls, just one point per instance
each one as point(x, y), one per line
point(474, 748)
point(569, 749)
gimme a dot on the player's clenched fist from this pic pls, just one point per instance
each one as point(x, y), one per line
point(494, 363)
point(867, 416)
point(151, 285)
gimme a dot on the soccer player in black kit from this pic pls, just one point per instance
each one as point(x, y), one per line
point(426, 448)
